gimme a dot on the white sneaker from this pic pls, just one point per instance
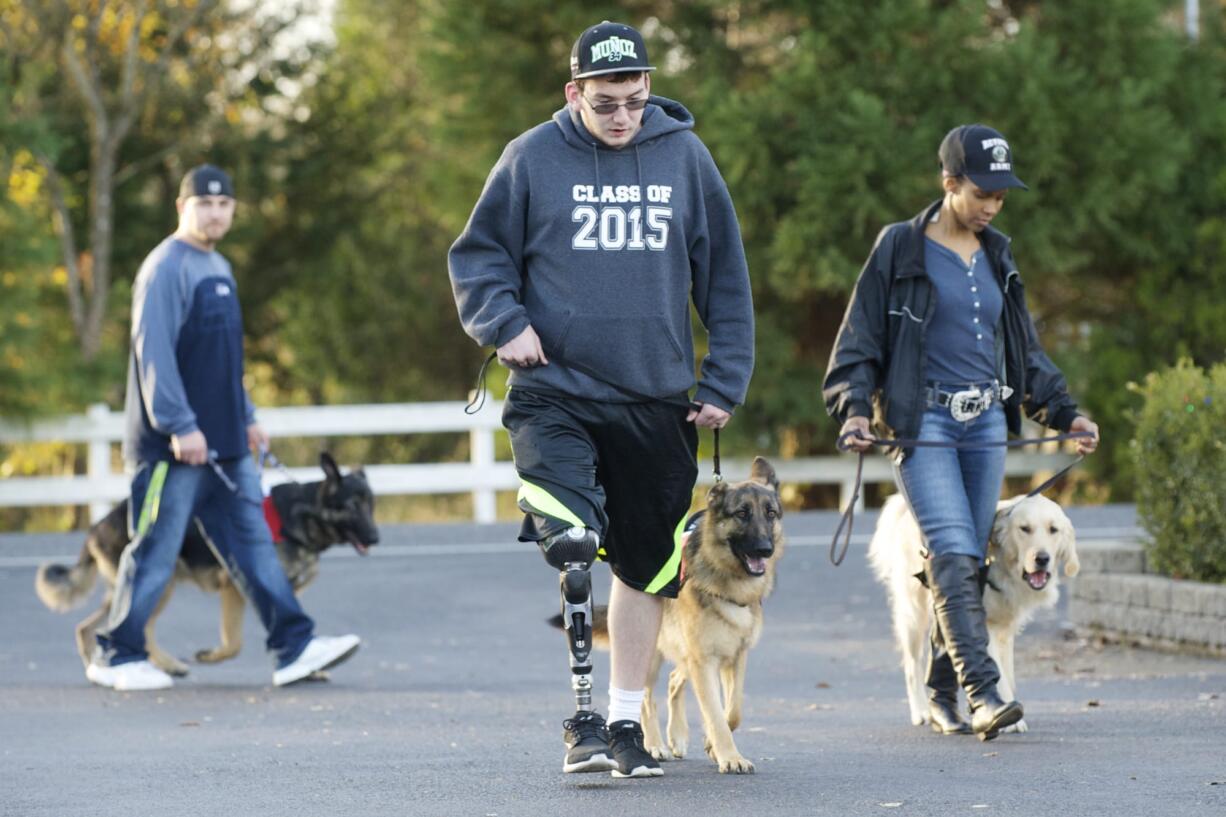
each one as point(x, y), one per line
point(322, 652)
point(133, 676)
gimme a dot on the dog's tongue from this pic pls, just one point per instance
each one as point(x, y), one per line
point(1037, 579)
point(756, 565)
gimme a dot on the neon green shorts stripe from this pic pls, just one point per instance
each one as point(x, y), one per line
point(669, 571)
point(538, 500)
point(153, 498)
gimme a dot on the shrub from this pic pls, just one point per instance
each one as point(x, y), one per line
point(1180, 459)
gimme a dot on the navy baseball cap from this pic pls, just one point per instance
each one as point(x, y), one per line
point(608, 48)
point(982, 155)
point(206, 180)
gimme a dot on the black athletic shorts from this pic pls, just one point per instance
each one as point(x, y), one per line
point(625, 470)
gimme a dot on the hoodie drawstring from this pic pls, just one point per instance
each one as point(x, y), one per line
point(596, 162)
point(642, 193)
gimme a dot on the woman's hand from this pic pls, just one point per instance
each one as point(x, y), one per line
point(855, 425)
point(1085, 445)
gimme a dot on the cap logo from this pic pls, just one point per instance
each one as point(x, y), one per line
point(1000, 153)
point(613, 49)
point(214, 187)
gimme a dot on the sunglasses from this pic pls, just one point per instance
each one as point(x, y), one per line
point(606, 108)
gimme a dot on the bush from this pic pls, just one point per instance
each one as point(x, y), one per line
point(1180, 459)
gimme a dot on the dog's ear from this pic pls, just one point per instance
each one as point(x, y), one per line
point(715, 496)
point(1068, 547)
point(1001, 543)
point(764, 473)
point(331, 470)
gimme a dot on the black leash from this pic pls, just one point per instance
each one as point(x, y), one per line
point(849, 515)
point(481, 392)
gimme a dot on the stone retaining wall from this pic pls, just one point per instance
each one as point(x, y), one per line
point(1113, 596)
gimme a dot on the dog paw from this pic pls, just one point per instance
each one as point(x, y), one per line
point(659, 753)
point(678, 750)
point(735, 765)
point(709, 749)
point(213, 656)
point(919, 720)
point(176, 668)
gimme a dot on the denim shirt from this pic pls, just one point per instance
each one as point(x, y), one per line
point(962, 335)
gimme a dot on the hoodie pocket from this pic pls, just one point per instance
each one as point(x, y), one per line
point(639, 353)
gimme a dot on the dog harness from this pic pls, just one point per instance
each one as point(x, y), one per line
point(274, 520)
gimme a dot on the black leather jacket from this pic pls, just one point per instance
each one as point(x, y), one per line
point(876, 368)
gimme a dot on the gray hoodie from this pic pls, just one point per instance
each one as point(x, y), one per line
point(601, 251)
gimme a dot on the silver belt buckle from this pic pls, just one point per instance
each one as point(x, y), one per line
point(969, 404)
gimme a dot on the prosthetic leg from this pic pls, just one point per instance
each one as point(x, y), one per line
point(572, 551)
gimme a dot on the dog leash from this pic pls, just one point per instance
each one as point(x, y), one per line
point(849, 514)
point(215, 464)
point(482, 391)
point(265, 456)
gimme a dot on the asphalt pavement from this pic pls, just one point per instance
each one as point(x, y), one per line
point(454, 704)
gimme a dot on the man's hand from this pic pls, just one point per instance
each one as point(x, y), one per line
point(523, 350)
point(257, 438)
point(191, 448)
point(708, 416)
point(864, 441)
point(1085, 445)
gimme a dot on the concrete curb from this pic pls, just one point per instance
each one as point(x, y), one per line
point(1114, 598)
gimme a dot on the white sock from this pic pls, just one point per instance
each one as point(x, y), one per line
point(625, 704)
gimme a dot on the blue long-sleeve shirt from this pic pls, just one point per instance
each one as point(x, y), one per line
point(186, 364)
point(961, 340)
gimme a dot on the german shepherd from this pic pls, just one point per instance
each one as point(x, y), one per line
point(312, 516)
point(728, 567)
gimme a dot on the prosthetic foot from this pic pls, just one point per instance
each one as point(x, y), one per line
point(572, 551)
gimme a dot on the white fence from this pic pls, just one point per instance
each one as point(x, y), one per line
point(482, 476)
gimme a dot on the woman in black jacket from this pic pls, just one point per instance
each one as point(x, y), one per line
point(937, 344)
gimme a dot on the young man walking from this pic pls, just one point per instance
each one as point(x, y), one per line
point(191, 423)
point(594, 234)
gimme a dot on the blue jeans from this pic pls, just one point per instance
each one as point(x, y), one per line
point(953, 492)
point(165, 497)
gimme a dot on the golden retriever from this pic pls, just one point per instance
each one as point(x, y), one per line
point(1031, 539)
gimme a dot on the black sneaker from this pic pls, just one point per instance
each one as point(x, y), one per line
point(587, 744)
point(626, 741)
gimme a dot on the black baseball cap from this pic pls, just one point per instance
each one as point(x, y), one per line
point(982, 155)
point(608, 48)
point(206, 180)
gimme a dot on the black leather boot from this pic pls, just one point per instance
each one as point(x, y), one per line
point(943, 690)
point(958, 604)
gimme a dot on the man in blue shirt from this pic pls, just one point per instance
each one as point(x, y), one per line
point(189, 420)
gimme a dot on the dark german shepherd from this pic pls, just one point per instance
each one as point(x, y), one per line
point(728, 567)
point(313, 516)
